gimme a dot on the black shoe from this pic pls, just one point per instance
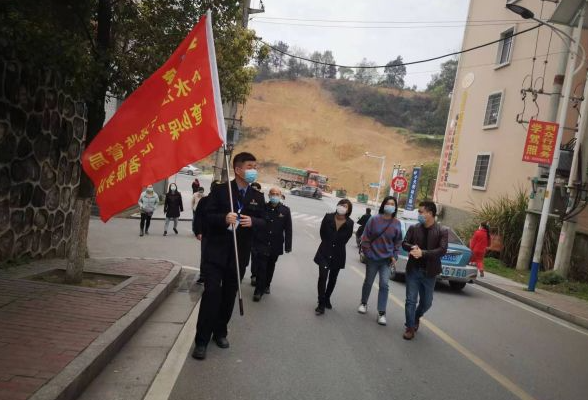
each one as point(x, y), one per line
point(320, 310)
point(146, 232)
point(222, 342)
point(164, 233)
point(141, 233)
point(267, 290)
point(199, 352)
point(176, 231)
point(253, 280)
point(328, 304)
point(256, 297)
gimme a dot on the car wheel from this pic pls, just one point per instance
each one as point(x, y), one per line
point(191, 173)
point(457, 286)
point(288, 185)
point(283, 183)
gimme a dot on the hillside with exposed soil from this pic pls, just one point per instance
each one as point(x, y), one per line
point(297, 123)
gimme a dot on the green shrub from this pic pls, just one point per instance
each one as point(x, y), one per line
point(551, 278)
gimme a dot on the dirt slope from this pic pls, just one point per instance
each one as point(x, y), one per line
point(296, 123)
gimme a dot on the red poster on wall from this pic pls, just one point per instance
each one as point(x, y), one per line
point(540, 144)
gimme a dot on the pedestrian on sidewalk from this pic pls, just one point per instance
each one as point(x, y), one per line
point(221, 281)
point(172, 207)
point(426, 243)
point(195, 185)
point(479, 245)
point(196, 197)
point(148, 202)
point(336, 230)
point(200, 230)
point(270, 242)
point(361, 222)
point(380, 243)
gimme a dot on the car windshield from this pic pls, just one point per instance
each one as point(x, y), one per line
point(452, 237)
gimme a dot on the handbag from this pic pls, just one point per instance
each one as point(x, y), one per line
point(362, 257)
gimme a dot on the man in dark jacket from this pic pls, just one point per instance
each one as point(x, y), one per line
point(200, 230)
point(426, 243)
point(220, 286)
point(269, 242)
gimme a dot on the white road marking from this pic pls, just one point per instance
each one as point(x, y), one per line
point(165, 380)
point(531, 310)
point(309, 218)
point(299, 216)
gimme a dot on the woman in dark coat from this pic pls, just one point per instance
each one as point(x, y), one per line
point(172, 207)
point(336, 229)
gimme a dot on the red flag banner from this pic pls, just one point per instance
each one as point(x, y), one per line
point(174, 118)
point(540, 144)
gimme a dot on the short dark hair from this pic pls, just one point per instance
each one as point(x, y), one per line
point(241, 158)
point(348, 204)
point(429, 206)
point(386, 200)
point(368, 210)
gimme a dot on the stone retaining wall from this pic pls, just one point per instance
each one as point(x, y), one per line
point(42, 130)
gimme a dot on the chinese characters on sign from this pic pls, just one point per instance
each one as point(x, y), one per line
point(540, 143)
point(414, 184)
point(399, 184)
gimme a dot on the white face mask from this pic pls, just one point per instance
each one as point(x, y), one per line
point(341, 210)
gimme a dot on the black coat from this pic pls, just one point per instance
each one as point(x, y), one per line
point(173, 205)
point(199, 223)
point(220, 248)
point(271, 239)
point(331, 251)
point(436, 240)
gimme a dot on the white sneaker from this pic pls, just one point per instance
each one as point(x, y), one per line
point(382, 319)
point(362, 308)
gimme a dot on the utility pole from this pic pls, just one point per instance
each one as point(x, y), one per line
point(532, 218)
point(220, 172)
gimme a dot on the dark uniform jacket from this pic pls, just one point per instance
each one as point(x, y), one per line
point(435, 243)
point(173, 205)
point(331, 251)
point(199, 222)
point(278, 232)
point(220, 248)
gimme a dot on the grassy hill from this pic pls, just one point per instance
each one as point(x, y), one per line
point(298, 123)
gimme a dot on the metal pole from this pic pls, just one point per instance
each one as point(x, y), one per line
point(563, 110)
point(532, 219)
point(226, 152)
point(380, 181)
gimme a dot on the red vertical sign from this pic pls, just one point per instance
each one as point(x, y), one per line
point(540, 143)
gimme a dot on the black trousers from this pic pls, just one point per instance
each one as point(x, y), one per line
point(218, 300)
point(145, 221)
point(264, 267)
point(203, 243)
point(326, 283)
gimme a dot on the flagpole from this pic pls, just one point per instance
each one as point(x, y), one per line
point(223, 133)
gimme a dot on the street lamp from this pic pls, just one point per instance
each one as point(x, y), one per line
point(527, 14)
point(383, 158)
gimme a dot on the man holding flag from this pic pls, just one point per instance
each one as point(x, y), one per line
point(221, 284)
point(173, 119)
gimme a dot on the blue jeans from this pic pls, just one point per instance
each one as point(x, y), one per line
point(418, 287)
point(372, 268)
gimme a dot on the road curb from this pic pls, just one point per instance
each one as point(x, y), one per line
point(73, 379)
point(566, 316)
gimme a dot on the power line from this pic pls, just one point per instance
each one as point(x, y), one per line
point(389, 22)
point(401, 64)
point(385, 27)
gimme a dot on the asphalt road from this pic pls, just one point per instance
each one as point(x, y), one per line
point(474, 344)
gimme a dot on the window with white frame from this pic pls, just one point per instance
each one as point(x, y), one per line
point(505, 47)
point(481, 171)
point(493, 110)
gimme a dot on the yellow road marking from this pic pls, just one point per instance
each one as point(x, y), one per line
point(483, 365)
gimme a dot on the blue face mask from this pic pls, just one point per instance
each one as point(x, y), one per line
point(275, 199)
point(422, 219)
point(250, 175)
point(389, 209)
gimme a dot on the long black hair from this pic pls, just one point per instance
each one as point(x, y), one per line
point(169, 188)
point(348, 204)
point(385, 201)
point(486, 227)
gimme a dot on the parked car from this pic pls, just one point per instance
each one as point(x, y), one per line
point(190, 170)
point(307, 191)
point(455, 264)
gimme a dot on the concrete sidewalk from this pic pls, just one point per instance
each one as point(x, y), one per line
point(565, 307)
point(54, 338)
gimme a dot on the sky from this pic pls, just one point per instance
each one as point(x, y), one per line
point(408, 30)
